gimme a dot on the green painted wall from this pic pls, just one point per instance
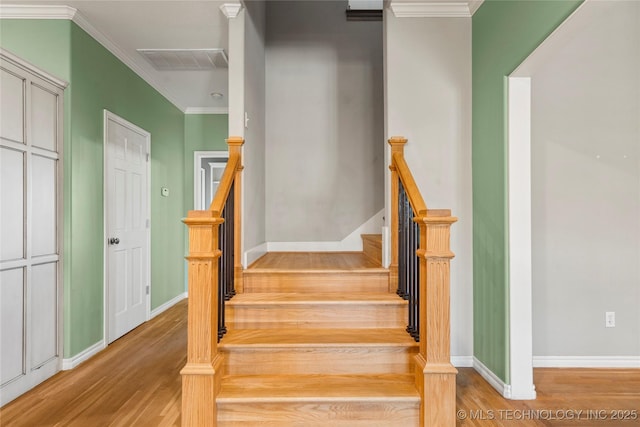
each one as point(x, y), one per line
point(202, 132)
point(98, 80)
point(504, 34)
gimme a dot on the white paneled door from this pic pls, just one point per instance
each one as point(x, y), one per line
point(127, 225)
point(30, 226)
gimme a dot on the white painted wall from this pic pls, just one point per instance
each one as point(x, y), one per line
point(324, 114)
point(428, 93)
point(254, 132)
point(586, 194)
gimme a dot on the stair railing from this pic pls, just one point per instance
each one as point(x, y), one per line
point(214, 275)
point(419, 270)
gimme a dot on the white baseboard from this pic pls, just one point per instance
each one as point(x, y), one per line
point(351, 243)
point(495, 382)
point(83, 355)
point(167, 305)
point(253, 254)
point(586, 361)
point(462, 361)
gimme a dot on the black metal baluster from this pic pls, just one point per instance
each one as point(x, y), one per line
point(415, 282)
point(402, 284)
point(226, 285)
point(411, 328)
point(408, 262)
point(229, 220)
point(222, 329)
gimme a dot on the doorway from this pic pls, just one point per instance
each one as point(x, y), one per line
point(127, 226)
point(208, 167)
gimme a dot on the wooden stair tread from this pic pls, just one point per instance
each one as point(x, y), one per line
point(313, 261)
point(345, 271)
point(299, 337)
point(318, 388)
point(376, 238)
point(315, 298)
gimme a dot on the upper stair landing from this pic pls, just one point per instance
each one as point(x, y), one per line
point(315, 272)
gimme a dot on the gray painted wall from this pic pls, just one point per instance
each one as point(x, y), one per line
point(428, 93)
point(254, 133)
point(324, 114)
point(586, 191)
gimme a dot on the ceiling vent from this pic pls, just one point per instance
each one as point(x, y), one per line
point(364, 10)
point(185, 59)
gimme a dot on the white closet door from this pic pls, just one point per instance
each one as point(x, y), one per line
point(30, 292)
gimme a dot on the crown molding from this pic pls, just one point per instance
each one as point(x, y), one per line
point(16, 11)
point(108, 44)
point(474, 5)
point(435, 9)
point(206, 110)
point(66, 12)
point(231, 10)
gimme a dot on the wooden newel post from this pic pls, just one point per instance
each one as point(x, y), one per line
point(235, 144)
point(435, 375)
point(397, 146)
point(202, 374)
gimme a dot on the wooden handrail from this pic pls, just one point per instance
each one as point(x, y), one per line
point(435, 375)
point(413, 193)
point(228, 176)
point(202, 373)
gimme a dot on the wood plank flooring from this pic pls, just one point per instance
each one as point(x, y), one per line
point(314, 261)
point(136, 382)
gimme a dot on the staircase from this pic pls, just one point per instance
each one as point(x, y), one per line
point(317, 339)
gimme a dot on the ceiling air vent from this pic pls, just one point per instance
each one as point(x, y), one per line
point(185, 59)
point(364, 10)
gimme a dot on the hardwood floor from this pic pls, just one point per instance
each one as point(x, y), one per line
point(136, 382)
point(314, 261)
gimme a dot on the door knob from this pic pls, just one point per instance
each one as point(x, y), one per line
point(114, 241)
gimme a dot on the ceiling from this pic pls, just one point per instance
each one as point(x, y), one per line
point(124, 26)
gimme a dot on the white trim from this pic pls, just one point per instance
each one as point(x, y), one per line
point(462, 361)
point(495, 382)
point(84, 355)
point(27, 11)
point(167, 305)
point(586, 362)
point(253, 254)
point(231, 10)
point(29, 67)
point(430, 9)
point(206, 110)
point(108, 115)
point(474, 5)
point(521, 361)
point(519, 237)
point(386, 246)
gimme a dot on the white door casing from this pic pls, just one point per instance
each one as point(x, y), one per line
point(31, 226)
point(127, 240)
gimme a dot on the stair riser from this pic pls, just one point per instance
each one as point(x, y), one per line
point(316, 282)
point(338, 414)
point(316, 316)
point(372, 249)
point(313, 360)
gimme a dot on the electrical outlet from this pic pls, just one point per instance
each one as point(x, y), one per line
point(610, 319)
